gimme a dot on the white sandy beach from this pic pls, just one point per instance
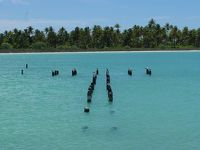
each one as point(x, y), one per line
point(91, 52)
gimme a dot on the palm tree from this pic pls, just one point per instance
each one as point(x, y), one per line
point(185, 36)
point(151, 23)
point(30, 30)
point(198, 38)
point(51, 37)
point(39, 36)
point(174, 35)
point(46, 31)
point(62, 36)
point(97, 37)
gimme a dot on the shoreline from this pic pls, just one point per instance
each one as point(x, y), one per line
point(99, 51)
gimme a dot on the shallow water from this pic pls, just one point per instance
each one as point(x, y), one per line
point(38, 111)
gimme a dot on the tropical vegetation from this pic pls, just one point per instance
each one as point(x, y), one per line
point(151, 36)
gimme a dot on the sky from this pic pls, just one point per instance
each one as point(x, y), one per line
point(71, 13)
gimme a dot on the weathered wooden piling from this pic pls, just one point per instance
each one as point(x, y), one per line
point(74, 72)
point(97, 71)
point(26, 66)
point(130, 72)
point(108, 86)
point(91, 88)
point(148, 71)
point(86, 109)
point(55, 73)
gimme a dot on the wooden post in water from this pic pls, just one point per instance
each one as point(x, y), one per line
point(86, 109)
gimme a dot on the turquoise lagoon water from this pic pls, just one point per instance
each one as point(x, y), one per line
point(40, 112)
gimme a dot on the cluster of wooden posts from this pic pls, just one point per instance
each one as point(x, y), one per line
point(148, 71)
point(93, 83)
point(22, 71)
point(55, 73)
point(91, 89)
point(74, 72)
point(108, 86)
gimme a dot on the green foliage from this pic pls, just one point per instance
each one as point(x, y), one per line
point(39, 45)
point(74, 47)
point(127, 47)
point(6, 46)
point(152, 35)
point(67, 47)
point(61, 47)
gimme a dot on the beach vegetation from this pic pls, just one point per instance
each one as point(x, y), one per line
point(6, 46)
point(39, 45)
point(151, 36)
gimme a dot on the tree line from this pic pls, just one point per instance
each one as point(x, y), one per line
point(152, 35)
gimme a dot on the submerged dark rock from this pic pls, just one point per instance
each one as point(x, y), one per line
point(112, 111)
point(85, 127)
point(114, 128)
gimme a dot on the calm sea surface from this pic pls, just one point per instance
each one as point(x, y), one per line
point(41, 112)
